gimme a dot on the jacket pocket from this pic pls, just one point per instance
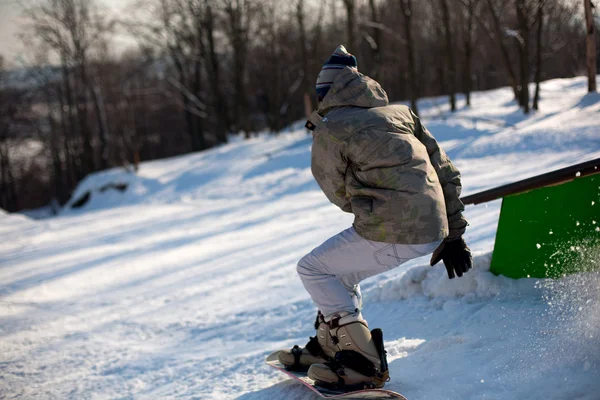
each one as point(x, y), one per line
point(388, 256)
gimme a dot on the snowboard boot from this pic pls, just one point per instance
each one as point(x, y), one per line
point(316, 350)
point(360, 360)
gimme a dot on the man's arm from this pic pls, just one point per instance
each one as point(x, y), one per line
point(449, 178)
point(329, 169)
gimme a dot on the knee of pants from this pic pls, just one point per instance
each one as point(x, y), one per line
point(308, 266)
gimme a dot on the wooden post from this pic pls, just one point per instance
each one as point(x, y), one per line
point(590, 45)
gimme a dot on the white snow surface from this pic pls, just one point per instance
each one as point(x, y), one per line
point(183, 284)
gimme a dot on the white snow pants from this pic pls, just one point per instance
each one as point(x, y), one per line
point(331, 272)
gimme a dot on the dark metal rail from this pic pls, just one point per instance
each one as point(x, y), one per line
point(551, 178)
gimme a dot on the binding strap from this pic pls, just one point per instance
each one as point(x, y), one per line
point(359, 363)
point(315, 348)
point(320, 319)
point(296, 352)
point(356, 361)
point(338, 369)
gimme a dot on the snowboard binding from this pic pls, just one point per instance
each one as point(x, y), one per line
point(360, 364)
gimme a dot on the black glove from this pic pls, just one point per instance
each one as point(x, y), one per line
point(456, 255)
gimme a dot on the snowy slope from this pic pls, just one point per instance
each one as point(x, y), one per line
point(180, 286)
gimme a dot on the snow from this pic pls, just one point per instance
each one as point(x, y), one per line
point(181, 285)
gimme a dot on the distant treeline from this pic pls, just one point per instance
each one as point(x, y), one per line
point(203, 69)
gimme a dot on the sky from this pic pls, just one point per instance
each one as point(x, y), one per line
point(11, 21)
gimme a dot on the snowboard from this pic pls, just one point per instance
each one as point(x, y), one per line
point(325, 393)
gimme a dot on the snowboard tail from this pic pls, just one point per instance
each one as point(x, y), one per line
point(332, 393)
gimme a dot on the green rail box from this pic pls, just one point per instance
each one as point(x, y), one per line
point(550, 231)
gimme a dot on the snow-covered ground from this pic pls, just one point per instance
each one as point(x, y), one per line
point(180, 286)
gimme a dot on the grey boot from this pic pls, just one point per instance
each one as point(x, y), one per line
point(316, 350)
point(359, 361)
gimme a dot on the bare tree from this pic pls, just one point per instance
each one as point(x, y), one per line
point(471, 9)
point(308, 107)
point(524, 12)
point(497, 34)
point(590, 45)
point(71, 28)
point(51, 129)
point(375, 40)
point(272, 98)
point(239, 15)
point(539, 54)
point(407, 10)
point(214, 74)
point(350, 25)
point(449, 53)
point(175, 29)
point(181, 20)
point(8, 111)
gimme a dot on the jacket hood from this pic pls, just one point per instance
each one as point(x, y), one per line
point(351, 88)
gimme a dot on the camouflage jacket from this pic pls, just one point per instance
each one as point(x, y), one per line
point(380, 163)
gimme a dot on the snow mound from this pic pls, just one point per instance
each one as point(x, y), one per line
point(14, 222)
point(15, 233)
point(433, 283)
point(106, 189)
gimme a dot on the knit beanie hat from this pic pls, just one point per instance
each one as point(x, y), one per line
point(339, 60)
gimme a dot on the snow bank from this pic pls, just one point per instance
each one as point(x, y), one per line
point(99, 189)
point(16, 231)
point(14, 222)
point(433, 283)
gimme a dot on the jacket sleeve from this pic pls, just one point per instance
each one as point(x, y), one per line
point(449, 178)
point(329, 166)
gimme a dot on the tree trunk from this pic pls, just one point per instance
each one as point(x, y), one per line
point(215, 79)
point(187, 106)
point(199, 52)
point(88, 163)
point(449, 54)
point(441, 62)
point(406, 8)
point(102, 126)
point(68, 179)
point(308, 107)
point(350, 24)
point(84, 92)
point(57, 167)
point(67, 122)
point(53, 141)
point(8, 192)
point(538, 68)
point(317, 37)
point(524, 53)
point(512, 77)
point(468, 72)
point(238, 37)
point(196, 90)
point(376, 34)
point(590, 46)
point(72, 129)
point(274, 85)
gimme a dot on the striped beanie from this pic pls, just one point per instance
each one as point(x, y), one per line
point(339, 60)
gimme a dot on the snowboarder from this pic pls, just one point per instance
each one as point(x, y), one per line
point(380, 163)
